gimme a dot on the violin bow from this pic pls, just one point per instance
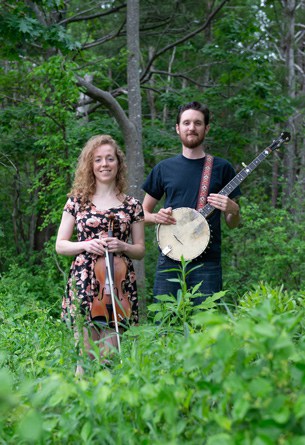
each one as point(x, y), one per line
point(116, 326)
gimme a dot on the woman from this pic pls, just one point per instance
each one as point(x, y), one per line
point(96, 195)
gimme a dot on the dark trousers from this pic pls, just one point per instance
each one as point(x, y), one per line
point(210, 273)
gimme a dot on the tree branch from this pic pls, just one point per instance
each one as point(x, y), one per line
point(299, 69)
point(76, 17)
point(9, 160)
point(118, 33)
point(105, 38)
point(182, 76)
point(182, 40)
point(39, 14)
point(107, 99)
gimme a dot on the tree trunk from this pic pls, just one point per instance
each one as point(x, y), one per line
point(150, 93)
point(16, 214)
point(168, 84)
point(289, 160)
point(275, 175)
point(135, 159)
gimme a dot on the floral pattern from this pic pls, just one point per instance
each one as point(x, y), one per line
point(91, 222)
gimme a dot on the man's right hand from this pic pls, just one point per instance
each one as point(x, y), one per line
point(164, 216)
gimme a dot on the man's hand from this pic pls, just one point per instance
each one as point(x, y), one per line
point(164, 216)
point(223, 203)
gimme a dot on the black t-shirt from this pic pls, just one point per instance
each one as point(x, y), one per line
point(178, 178)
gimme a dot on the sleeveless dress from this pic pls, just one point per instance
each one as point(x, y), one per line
point(82, 285)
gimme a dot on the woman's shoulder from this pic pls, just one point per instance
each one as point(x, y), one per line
point(73, 203)
point(135, 207)
point(131, 200)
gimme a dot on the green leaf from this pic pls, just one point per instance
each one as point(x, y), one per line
point(166, 298)
point(86, 431)
point(208, 319)
point(221, 438)
point(30, 427)
point(260, 387)
point(299, 407)
point(240, 408)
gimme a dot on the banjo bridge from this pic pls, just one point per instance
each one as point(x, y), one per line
point(178, 239)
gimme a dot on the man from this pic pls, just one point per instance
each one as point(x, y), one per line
point(179, 179)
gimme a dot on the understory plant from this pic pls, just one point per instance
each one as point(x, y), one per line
point(236, 379)
point(176, 310)
point(268, 246)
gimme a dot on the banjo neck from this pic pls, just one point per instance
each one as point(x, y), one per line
point(208, 209)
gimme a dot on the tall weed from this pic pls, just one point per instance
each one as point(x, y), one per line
point(176, 310)
point(236, 378)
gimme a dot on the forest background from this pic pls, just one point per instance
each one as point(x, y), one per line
point(73, 69)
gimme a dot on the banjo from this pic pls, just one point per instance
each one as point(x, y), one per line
point(190, 236)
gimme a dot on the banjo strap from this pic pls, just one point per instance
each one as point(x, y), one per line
point(205, 182)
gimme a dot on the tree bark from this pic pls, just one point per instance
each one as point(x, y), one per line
point(289, 157)
point(150, 93)
point(135, 158)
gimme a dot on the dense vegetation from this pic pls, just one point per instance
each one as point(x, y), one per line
point(243, 58)
point(228, 374)
point(232, 373)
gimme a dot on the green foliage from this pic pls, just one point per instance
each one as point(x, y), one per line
point(269, 246)
point(32, 337)
point(278, 299)
point(160, 141)
point(20, 28)
point(41, 283)
point(236, 378)
point(176, 310)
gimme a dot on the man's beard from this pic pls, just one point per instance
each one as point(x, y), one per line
point(192, 143)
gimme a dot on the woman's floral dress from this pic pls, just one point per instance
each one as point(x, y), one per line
point(91, 222)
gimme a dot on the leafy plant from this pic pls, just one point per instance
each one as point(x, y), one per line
point(176, 311)
point(235, 378)
point(268, 247)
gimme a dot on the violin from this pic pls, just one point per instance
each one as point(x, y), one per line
point(102, 307)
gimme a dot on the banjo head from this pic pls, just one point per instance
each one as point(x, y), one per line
point(189, 237)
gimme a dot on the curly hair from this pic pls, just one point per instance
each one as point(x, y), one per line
point(84, 184)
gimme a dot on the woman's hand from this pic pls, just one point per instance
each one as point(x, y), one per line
point(94, 246)
point(113, 244)
point(98, 246)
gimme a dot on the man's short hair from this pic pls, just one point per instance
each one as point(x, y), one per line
point(194, 106)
